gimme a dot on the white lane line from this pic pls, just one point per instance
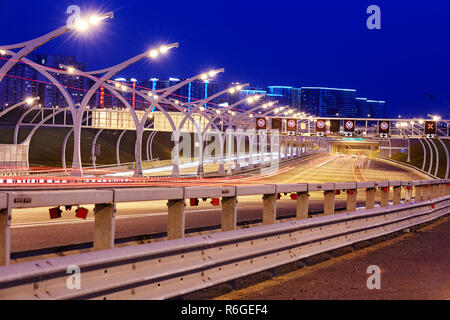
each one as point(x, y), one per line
point(318, 166)
point(75, 220)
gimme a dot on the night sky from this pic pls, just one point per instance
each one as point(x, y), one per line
point(299, 43)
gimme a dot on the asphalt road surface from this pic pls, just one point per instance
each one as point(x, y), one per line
point(32, 229)
point(414, 266)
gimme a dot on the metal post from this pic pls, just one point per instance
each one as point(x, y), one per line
point(175, 219)
point(384, 197)
point(138, 172)
point(5, 233)
point(351, 200)
point(408, 194)
point(104, 226)
point(409, 152)
point(370, 198)
point(426, 192)
point(269, 209)
point(251, 146)
point(328, 205)
point(397, 195)
point(238, 150)
point(418, 193)
point(302, 205)
point(229, 213)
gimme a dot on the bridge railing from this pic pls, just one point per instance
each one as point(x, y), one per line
point(174, 268)
point(105, 201)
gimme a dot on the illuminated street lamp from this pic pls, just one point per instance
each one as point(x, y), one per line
point(94, 20)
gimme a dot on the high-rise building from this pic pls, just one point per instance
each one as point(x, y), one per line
point(282, 94)
point(18, 85)
point(328, 102)
point(370, 108)
point(76, 86)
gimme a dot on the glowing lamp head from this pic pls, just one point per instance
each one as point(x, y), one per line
point(29, 101)
point(153, 53)
point(94, 20)
point(2, 52)
point(232, 90)
point(163, 49)
point(250, 100)
point(82, 25)
point(71, 69)
point(204, 76)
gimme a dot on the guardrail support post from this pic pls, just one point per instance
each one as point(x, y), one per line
point(436, 191)
point(175, 219)
point(397, 195)
point(384, 197)
point(351, 200)
point(229, 213)
point(302, 205)
point(5, 234)
point(104, 226)
point(269, 209)
point(328, 205)
point(418, 193)
point(408, 194)
point(426, 192)
point(370, 198)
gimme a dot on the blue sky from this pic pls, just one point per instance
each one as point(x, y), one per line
point(299, 43)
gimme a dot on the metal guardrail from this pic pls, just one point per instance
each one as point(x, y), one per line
point(173, 268)
point(409, 167)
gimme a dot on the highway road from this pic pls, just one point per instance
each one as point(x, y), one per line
point(32, 229)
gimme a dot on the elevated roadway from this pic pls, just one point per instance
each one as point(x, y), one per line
point(32, 229)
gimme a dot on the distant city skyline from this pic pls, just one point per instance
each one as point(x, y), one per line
point(23, 82)
point(292, 43)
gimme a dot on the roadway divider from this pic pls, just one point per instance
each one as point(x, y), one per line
point(105, 201)
point(171, 269)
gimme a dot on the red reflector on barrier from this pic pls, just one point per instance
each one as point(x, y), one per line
point(385, 189)
point(294, 196)
point(215, 201)
point(278, 196)
point(193, 202)
point(350, 192)
point(337, 192)
point(427, 186)
point(55, 213)
point(408, 187)
point(81, 213)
